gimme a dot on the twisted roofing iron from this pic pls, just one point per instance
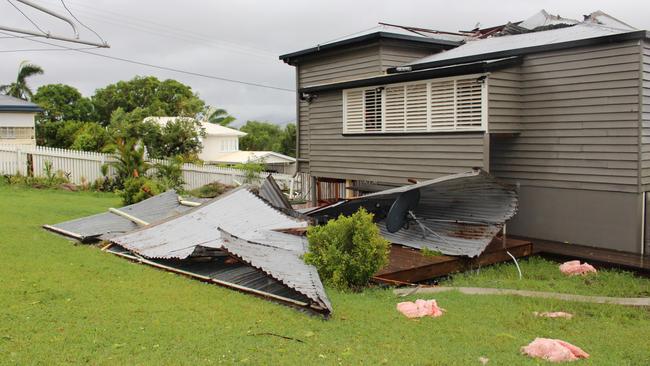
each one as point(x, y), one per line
point(242, 224)
point(106, 225)
point(462, 212)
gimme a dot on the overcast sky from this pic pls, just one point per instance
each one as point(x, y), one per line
point(242, 39)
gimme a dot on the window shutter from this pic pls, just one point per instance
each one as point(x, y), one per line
point(394, 110)
point(442, 105)
point(468, 104)
point(353, 111)
point(416, 107)
point(372, 110)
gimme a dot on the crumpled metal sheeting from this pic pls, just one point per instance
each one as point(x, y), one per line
point(239, 273)
point(238, 211)
point(106, 225)
point(284, 265)
point(465, 211)
point(453, 239)
point(271, 192)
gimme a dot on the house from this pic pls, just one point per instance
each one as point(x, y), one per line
point(558, 107)
point(17, 121)
point(221, 146)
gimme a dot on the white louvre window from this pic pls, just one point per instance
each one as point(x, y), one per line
point(438, 105)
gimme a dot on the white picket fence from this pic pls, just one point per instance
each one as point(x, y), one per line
point(84, 166)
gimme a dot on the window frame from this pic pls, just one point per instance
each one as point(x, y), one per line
point(430, 129)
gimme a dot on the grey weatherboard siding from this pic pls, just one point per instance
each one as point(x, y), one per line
point(580, 152)
point(347, 64)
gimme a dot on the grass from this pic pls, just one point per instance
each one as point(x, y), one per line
point(543, 275)
point(73, 304)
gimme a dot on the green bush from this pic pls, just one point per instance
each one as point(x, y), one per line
point(347, 251)
point(210, 190)
point(170, 174)
point(137, 189)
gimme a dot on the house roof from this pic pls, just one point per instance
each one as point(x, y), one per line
point(211, 129)
point(439, 40)
point(582, 34)
point(11, 104)
point(241, 157)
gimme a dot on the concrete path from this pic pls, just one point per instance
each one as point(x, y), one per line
point(629, 301)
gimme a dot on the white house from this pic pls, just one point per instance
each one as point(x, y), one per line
point(17, 121)
point(221, 146)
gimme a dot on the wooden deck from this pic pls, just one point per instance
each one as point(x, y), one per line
point(602, 257)
point(407, 265)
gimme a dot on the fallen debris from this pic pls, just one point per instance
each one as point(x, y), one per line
point(106, 225)
point(553, 350)
point(628, 301)
point(420, 308)
point(553, 314)
point(456, 215)
point(574, 268)
point(483, 360)
point(234, 240)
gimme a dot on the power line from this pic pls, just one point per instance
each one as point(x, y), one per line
point(28, 18)
point(166, 30)
point(260, 85)
point(82, 24)
point(46, 49)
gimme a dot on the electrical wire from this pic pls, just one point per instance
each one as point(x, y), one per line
point(166, 30)
point(28, 18)
point(46, 49)
point(82, 24)
point(180, 71)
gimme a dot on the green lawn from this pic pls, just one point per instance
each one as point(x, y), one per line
point(72, 304)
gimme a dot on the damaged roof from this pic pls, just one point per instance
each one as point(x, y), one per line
point(106, 225)
point(242, 224)
point(457, 214)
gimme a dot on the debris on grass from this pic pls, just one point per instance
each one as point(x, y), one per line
point(553, 350)
point(553, 314)
point(574, 268)
point(483, 360)
point(420, 308)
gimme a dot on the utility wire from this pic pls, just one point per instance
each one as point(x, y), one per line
point(82, 24)
point(46, 49)
point(165, 30)
point(260, 85)
point(28, 18)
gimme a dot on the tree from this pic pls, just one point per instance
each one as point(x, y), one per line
point(220, 116)
point(179, 137)
point(261, 136)
point(288, 142)
point(62, 102)
point(19, 88)
point(154, 97)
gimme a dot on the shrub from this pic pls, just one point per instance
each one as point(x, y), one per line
point(210, 190)
point(137, 189)
point(251, 170)
point(347, 251)
point(170, 174)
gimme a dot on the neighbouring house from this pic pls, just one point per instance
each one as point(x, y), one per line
point(221, 146)
point(559, 107)
point(17, 121)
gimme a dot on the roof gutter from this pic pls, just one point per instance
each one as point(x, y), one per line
point(20, 108)
point(527, 50)
point(290, 58)
point(468, 68)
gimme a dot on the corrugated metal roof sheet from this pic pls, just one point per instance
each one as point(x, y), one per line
point(249, 223)
point(464, 211)
point(520, 41)
point(107, 225)
point(270, 191)
point(239, 212)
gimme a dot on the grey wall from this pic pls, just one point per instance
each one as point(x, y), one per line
point(579, 120)
point(595, 218)
point(645, 117)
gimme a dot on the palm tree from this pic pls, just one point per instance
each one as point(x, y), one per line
point(19, 88)
point(219, 116)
